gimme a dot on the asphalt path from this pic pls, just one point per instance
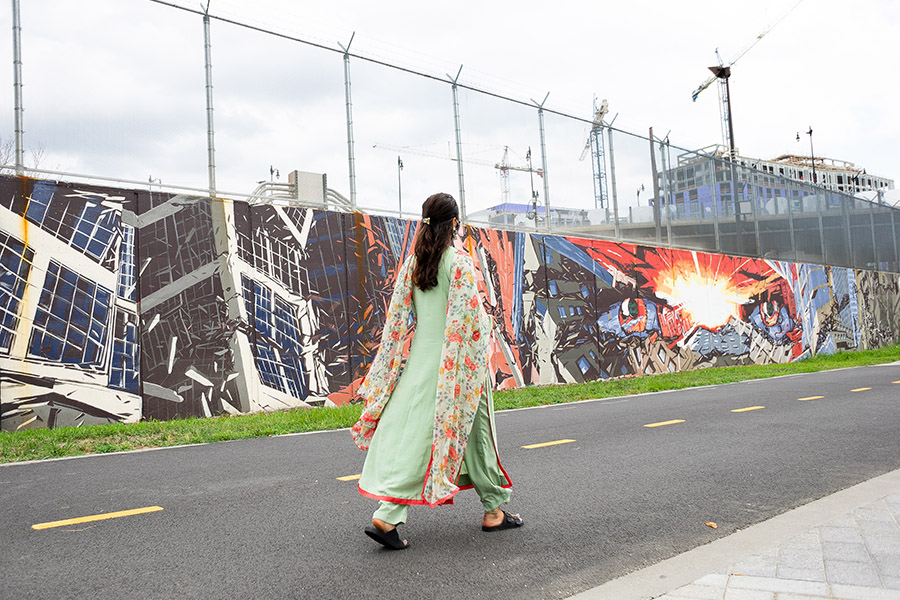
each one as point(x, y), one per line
point(269, 518)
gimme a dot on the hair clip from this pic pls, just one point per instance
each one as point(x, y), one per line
point(427, 220)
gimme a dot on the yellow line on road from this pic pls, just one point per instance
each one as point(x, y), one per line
point(861, 389)
point(748, 408)
point(810, 398)
point(101, 517)
point(556, 443)
point(895, 382)
point(660, 424)
point(350, 477)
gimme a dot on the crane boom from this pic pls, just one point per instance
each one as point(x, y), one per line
point(744, 50)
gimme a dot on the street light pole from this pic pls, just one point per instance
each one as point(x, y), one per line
point(399, 187)
point(812, 155)
point(534, 194)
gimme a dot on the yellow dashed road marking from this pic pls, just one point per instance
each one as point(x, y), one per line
point(810, 398)
point(661, 423)
point(350, 477)
point(101, 517)
point(556, 443)
point(748, 408)
point(861, 389)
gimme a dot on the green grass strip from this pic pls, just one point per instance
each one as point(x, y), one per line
point(36, 444)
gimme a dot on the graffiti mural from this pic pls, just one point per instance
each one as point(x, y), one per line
point(118, 305)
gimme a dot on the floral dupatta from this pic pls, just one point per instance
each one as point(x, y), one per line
point(462, 375)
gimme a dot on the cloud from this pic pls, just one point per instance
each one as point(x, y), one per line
point(118, 88)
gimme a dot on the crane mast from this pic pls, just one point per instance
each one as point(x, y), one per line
point(596, 143)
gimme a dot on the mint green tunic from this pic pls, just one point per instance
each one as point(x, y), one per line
point(400, 450)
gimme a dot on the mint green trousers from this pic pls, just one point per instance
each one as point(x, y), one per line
point(480, 468)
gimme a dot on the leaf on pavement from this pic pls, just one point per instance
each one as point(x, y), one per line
point(711, 524)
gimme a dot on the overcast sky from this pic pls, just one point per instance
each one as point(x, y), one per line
point(116, 88)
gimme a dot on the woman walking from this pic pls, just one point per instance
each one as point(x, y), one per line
point(428, 425)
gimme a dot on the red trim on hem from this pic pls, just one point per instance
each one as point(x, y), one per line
point(410, 501)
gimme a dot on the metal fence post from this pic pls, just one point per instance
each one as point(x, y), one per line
point(210, 129)
point(612, 176)
point(874, 243)
point(656, 202)
point(754, 204)
point(546, 176)
point(850, 256)
point(459, 162)
point(894, 216)
point(738, 233)
point(17, 87)
point(820, 208)
point(667, 188)
point(349, 105)
point(714, 193)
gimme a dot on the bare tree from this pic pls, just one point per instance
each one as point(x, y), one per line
point(38, 155)
point(7, 154)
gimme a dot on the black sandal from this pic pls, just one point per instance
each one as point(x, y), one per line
point(509, 521)
point(390, 539)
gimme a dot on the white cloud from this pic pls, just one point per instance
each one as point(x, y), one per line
point(117, 88)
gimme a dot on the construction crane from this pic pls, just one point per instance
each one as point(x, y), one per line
point(597, 145)
point(503, 166)
point(721, 73)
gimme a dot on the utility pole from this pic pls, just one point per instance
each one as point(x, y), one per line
point(17, 88)
point(349, 104)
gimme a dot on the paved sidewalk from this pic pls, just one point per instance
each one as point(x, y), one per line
point(845, 546)
point(853, 557)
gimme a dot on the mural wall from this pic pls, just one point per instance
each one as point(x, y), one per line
point(117, 305)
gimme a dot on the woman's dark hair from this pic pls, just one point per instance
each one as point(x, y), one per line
point(433, 238)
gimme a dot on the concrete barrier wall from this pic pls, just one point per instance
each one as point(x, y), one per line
point(117, 305)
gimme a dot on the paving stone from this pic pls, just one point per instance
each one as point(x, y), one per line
point(848, 552)
point(732, 594)
point(713, 580)
point(840, 534)
point(783, 596)
point(797, 558)
point(889, 564)
point(698, 592)
point(771, 584)
point(808, 540)
point(875, 520)
point(845, 521)
point(890, 582)
point(760, 566)
point(851, 573)
point(855, 592)
point(882, 544)
point(801, 574)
